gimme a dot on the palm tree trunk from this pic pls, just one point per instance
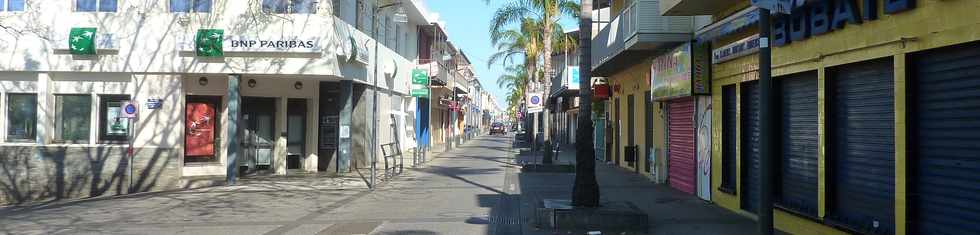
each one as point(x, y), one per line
point(547, 82)
point(585, 193)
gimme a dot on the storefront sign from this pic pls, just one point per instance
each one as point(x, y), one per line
point(154, 103)
point(823, 16)
point(359, 52)
point(670, 73)
point(701, 65)
point(778, 6)
point(81, 41)
point(214, 43)
point(736, 49)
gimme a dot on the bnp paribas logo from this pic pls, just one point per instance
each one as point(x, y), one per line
point(209, 42)
point(81, 41)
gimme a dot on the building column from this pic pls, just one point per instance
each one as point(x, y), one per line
point(310, 162)
point(279, 155)
point(234, 116)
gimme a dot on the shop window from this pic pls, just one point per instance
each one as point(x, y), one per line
point(73, 114)
point(112, 128)
point(289, 6)
point(11, 5)
point(202, 6)
point(21, 117)
point(96, 5)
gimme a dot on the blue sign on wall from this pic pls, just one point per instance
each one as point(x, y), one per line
point(154, 103)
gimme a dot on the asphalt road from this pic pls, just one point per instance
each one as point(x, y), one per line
point(470, 190)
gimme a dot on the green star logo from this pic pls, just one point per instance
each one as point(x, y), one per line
point(209, 42)
point(81, 41)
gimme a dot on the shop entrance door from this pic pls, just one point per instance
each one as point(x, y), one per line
point(258, 115)
point(295, 133)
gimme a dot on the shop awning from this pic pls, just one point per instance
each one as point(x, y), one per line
point(738, 22)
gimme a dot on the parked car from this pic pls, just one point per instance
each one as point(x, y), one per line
point(498, 128)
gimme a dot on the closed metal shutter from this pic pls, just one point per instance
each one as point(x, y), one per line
point(729, 135)
point(750, 146)
point(798, 143)
point(862, 146)
point(946, 141)
point(681, 144)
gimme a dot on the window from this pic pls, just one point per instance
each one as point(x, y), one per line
point(95, 5)
point(111, 126)
point(73, 118)
point(21, 117)
point(11, 5)
point(289, 6)
point(190, 5)
point(359, 15)
point(337, 8)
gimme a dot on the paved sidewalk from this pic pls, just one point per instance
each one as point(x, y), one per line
point(670, 211)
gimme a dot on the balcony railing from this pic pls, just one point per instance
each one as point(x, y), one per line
point(639, 27)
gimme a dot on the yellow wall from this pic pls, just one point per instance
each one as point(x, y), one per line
point(931, 24)
point(632, 81)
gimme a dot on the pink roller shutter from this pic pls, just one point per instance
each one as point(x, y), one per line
point(680, 144)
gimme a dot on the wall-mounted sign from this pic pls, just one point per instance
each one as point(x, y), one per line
point(670, 73)
point(701, 66)
point(214, 43)
point(154, 103)
point(209, 42)
point(359, 52)
point(823, 16)
point(81, 41)
point(736, 49)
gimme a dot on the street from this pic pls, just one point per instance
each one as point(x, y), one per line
point(454, 194)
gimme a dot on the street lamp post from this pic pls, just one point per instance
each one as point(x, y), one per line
point(399, 17)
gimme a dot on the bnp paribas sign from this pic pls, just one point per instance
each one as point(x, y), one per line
point(215, 43)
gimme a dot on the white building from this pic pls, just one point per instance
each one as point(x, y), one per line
point(292, 91)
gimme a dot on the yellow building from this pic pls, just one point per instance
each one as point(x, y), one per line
point(878, 115)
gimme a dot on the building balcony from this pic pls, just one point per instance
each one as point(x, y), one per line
point(634, 33)
point(437, 71)
point(692, 7)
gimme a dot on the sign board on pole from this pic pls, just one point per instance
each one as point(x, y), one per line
point(420, 83)
point(129, 109)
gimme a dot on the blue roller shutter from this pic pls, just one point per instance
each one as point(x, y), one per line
point(861, 142)
point(945, 116)
point(750, 146)
point(797, 187)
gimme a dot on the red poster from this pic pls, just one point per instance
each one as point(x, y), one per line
point(199, 135)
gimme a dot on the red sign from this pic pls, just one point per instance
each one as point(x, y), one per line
point(199, 133)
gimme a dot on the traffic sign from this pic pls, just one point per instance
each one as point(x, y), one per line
point(129, 109)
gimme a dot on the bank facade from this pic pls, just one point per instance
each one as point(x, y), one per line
point(876, 115)
point(280, 89)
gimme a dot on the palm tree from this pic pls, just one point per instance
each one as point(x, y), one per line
point(515, 82)
point(546, 13)
point(585, 193)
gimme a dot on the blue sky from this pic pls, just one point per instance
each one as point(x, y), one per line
point(467, 23)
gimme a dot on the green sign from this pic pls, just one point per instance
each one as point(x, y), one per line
point(420, 83)
point(419, 77)
point(81, 41)
point(424, 92)
point(209, 42)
